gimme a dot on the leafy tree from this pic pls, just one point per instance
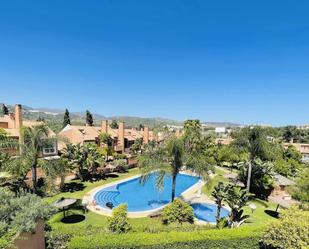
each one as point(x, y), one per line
point(21, 213)
point(5, 110)
point(262, 178)
point(114, 124)
point(107, 141)
point(289, 133)
point(89, 118)
point(301, 190)
point(219, 194)
point(93, 158)
point(85, 158)
point(137, 146)
point(66, 118)
point(177, 211)
point(119, 223)
point(289, 232)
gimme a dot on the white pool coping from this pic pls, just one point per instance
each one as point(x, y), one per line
point(89, 198)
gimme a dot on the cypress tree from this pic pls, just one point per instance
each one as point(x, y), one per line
point(89, 118)
point(5, 110)
point(66, 118)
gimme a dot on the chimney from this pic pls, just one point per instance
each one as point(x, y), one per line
point(104, 126)
point(146, 135)
point(121, 135)
point(18, 116)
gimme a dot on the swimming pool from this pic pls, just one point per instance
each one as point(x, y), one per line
point(207, 212)
point(146, 197)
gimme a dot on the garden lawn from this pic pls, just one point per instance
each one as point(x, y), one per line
point(219, 177)
point(79, 188)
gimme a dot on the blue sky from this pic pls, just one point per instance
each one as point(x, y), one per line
point(241, 61)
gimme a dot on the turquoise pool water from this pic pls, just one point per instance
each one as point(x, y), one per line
point(145, 197)
point(207, 212)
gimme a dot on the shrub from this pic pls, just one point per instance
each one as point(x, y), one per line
point(177, 211)
point(291, 231)
point(240, 238)
point(118, 223)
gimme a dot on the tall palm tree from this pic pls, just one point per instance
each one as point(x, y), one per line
point(162, 159)
point(169, 157)
point(253, 141)
point(34, 139)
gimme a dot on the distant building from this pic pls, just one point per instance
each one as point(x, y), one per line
point(302, 148)
point(12, 124)
point(122, 138)
point(220, 130)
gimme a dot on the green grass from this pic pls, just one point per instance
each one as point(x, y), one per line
point(88, 186)
point(95, 225)
point(219, 177)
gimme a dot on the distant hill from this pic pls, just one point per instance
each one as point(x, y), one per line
point(54, 117)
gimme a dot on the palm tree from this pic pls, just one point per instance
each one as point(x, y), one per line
point(34, 139)
point(254, 142)
point(169, 157)
point(93, 158)
point(219, 194)
point(162, 159)
point(107, 141)
point(75, 156)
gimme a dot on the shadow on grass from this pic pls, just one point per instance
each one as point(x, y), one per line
point(74, 218)
point(272, 213)
point(73, 186)
point(111, 175)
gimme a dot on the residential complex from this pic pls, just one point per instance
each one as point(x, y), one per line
point(13, 122)
point(122, 138)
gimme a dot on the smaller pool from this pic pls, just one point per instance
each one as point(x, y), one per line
point(207, 212)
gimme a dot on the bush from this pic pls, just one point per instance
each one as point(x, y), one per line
point(291, 231)
point(177, 211)
point(240, 238)
point(118, 223)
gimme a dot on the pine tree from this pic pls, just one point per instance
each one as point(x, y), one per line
point(89, 118)
point(66, 118)
point(5, 110)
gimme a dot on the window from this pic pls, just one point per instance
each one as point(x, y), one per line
point(49, 150)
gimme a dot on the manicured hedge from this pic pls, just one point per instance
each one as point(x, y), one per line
point(242, 238)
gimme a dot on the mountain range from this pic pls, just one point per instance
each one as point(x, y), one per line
point(56, 116)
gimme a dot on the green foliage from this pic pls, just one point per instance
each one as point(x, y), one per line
point(121, 165)
point(291, 231)
point(66, 118)
point(89, 118)
point(114, 124)
point(85, 158)
point(5, 110)
point(20, 214)
point(219, 194)
point(137, 146)
point(119, 223)
point(261, 178)
point(207, 239)
point(236, 198)
point(301, 190)
point(177, 211)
